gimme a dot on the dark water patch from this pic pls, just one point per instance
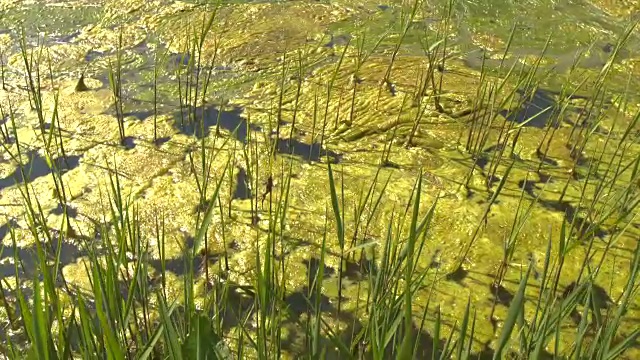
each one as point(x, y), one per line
point(59, 210)
point(142, 47)
point(338, 40)
point(176, 60)
point(161, 141)
point(536, 111)
point(63, 38)
point(206, 118)
point(296, 342)
point(238, 301)
point(29, 262)
point(6, 228)
point(140, 114)
point(304, 300)
point(389, 164)
point(424, 345)
point(242, 190)
point(529, 186)
point(486, 156)
point(435, 260)
point(180, 265)
point(473, 59)
point(92, 55)
point(577, 175)
point(301, 302)
point(577, 156)
point(583, 225)
point(544, 178)
point(424, 350)
point(586, 116)
point(222, 68)
point(468, 193)
point(129, 142)
point(311, 152)
point(205, 258)
point(8, 140)
point(37, 167)
point(458, 275)
point(492, 180)
point(360, 347)
point(492, 148)
point(150, 55)
point(534, 269)
point(487, 353)
point(189, 240)
point(313, 267)
point(541, 109)
point(594, 60)
point(599, 296)
point(359, 270)
point(545, 159)
point(178, 63)
point(233, 245)
point(481, 161)
point(561, 206)
point(576, 317)
point(500, 294)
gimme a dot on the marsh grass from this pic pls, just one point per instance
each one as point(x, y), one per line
point(159, 61)
point(2, 70)
point(406, 19)
point(128, 310)
point(115, 82)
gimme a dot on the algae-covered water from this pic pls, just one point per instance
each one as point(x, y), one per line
point(270, 65)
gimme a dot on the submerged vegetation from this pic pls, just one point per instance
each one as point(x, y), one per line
point(348, 198)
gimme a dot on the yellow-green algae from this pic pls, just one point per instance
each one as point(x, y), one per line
point(621, 9)
point(161, 181)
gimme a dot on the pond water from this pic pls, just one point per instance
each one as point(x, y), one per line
point(248, 100)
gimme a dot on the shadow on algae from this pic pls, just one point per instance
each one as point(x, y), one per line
point(207, 118)
point(37, 167)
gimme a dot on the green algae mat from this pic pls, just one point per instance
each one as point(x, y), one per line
point(319, 179)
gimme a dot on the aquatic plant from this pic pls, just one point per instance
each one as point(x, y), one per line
point(131, 309)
